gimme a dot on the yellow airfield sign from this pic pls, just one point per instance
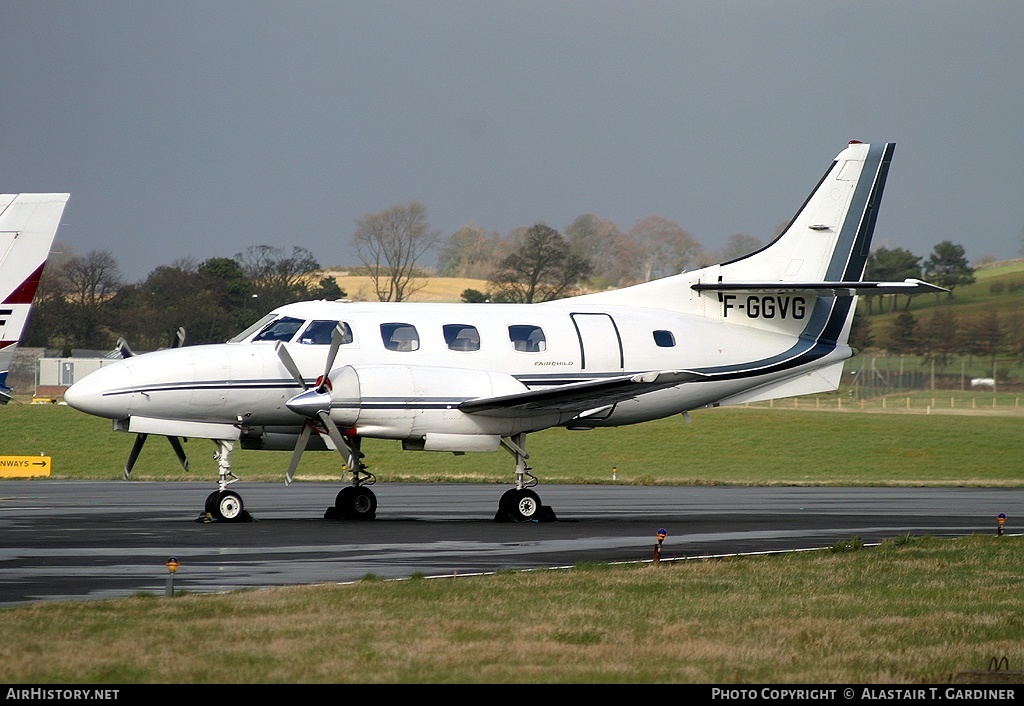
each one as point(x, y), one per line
point(24, 466)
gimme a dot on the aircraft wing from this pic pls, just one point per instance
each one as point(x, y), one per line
point(579, 397)
point(907, 286)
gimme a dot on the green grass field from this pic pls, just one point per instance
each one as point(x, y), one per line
point(742, 446)
point(915, 610)
point(912, 611)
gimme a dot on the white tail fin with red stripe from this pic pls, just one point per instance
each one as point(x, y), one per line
point(28, 225)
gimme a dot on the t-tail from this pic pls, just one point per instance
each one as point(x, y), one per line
point(28, 225)
point(797, 294)
point(817, 264)
point(806, 280)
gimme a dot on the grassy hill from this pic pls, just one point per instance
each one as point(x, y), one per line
point(999, 287)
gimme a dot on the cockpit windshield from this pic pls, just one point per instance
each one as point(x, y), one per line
point(282, 329)
point(274, 328)
point(244, 335)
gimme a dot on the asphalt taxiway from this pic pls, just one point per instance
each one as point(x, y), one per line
point(79, 540)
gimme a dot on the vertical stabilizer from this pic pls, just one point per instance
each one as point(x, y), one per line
point(28, 225)
point(827, 241)
point(830, 236)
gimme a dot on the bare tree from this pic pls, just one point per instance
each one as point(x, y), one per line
point(539, 267)
point(73, 298)
point(390, 243)
point(738, 245)
point(668, 248)
point(468, 252)
point(277, 278)
point(615, 258)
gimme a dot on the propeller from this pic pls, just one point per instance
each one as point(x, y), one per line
point(140, 439)
point(315, 407)
point(123, 349)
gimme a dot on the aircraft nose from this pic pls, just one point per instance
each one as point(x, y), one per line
point(103, 393)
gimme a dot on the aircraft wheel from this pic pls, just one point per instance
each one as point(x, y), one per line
point(211, 502)
point(523, 505)
point(356, 503)
point(227, 506)
point(507, 500)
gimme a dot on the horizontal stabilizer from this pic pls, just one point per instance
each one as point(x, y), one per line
point(582, 396)
point(839, 289)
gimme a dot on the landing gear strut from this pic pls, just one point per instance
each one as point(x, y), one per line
point(521, 504)
point(223, 504)
point(356, 501)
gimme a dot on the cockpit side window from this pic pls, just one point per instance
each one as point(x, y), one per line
point(280, 330)
point(528, 339)
point(319, 333)
point(400, 337)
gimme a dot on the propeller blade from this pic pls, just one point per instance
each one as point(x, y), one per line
point(179, 452)
point(337, 338)
point(339, 441)
point(300, 446)
point(133, 455)
point(289, 363)
point(122, 346)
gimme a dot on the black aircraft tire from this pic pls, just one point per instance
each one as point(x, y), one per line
point(211, 502)
point(356, 503)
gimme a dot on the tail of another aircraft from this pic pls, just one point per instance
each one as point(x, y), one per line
point(28, 225)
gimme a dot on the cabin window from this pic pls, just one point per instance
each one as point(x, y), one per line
point(461, 337)
point(319, 333)
point(664, 339)
point(528, 339)
point(400, 337)
point(280, 330)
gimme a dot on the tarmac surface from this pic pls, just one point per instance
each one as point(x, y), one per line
point(85, 540)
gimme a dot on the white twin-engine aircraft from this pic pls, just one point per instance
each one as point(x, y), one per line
point(478, 377)
point(28, 224)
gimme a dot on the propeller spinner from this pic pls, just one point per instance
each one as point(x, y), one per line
point(315, 404)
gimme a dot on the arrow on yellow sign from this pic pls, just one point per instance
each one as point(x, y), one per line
point(24, 466)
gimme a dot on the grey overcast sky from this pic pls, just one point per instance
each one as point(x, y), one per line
point(201, 128)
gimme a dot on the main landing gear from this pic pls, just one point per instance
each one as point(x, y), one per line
point(521, 504)
point(356, 501)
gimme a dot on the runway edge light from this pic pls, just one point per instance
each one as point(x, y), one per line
point(172, 566)
point(662, 533)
